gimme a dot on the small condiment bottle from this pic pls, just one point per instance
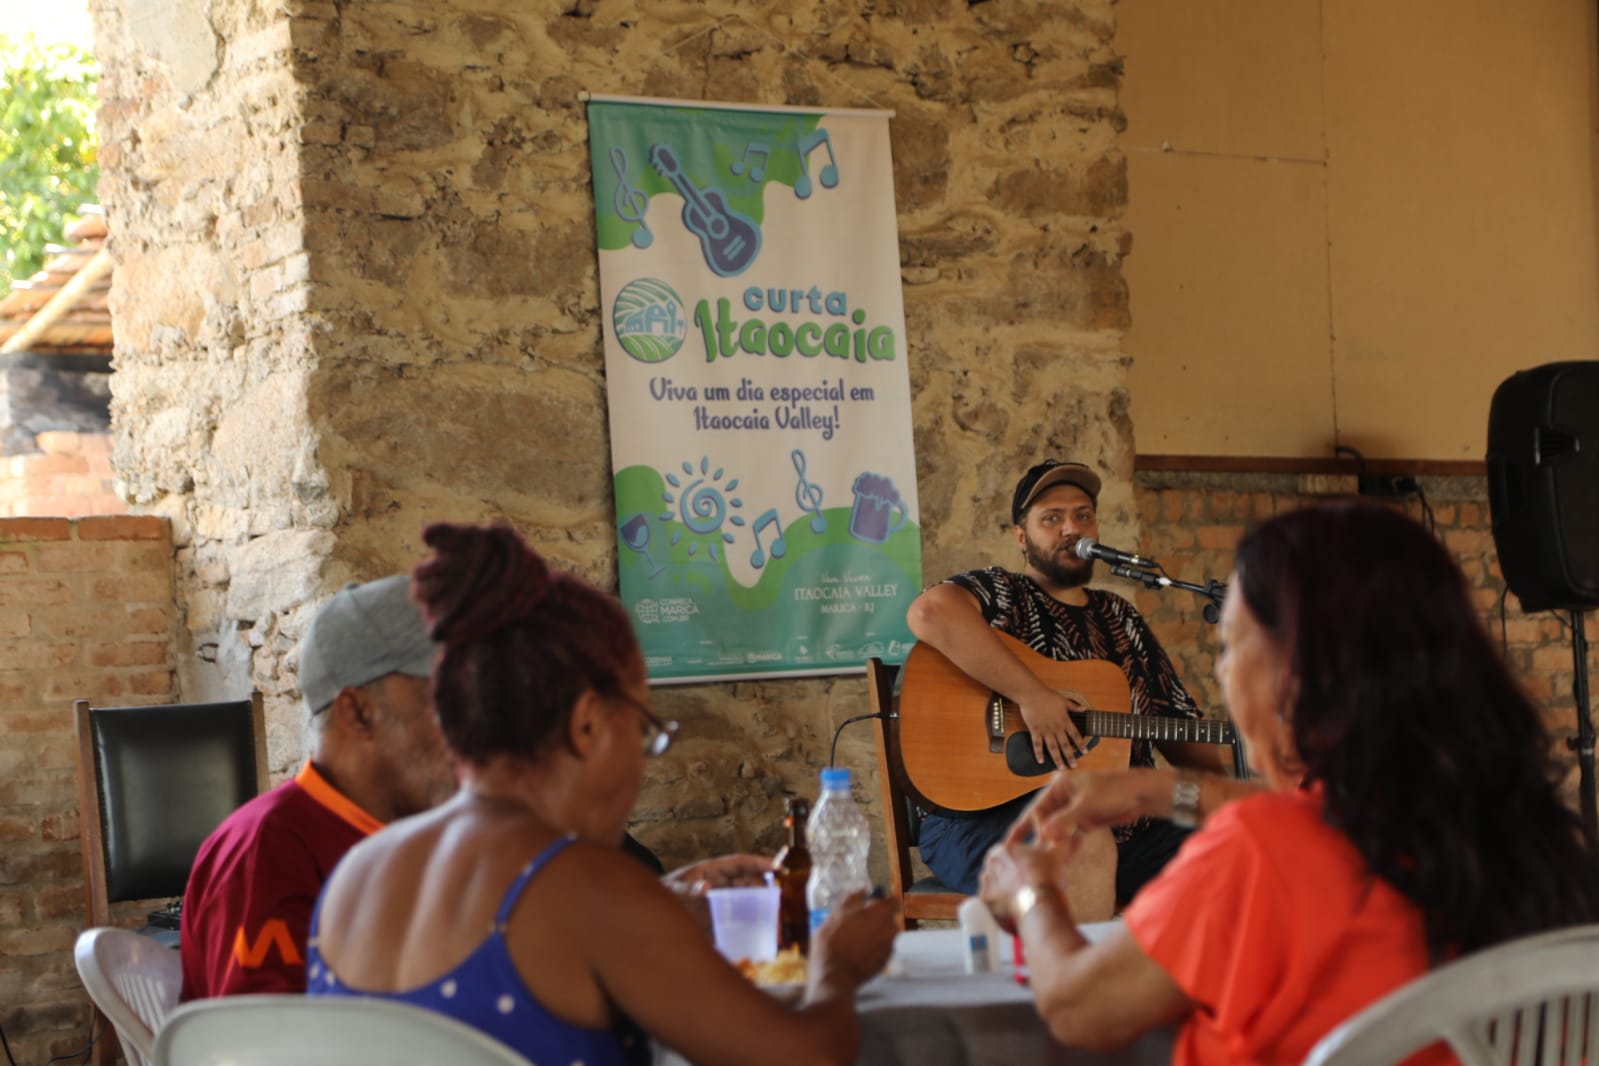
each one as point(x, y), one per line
point(791, 870)
point(982, 936)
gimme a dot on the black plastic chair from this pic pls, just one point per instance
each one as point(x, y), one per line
point(153, 782)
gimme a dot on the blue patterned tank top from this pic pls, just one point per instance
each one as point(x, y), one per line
point(486, 992)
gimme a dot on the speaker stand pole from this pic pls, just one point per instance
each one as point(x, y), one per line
point(1584, 739)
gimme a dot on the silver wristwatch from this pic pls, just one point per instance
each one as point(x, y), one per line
point(1185, 802)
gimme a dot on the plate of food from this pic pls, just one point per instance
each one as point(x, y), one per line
point(782, 976)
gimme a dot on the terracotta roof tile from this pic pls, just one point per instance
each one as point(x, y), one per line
point(86, 328)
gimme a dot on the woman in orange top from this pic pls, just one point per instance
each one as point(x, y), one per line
point(1408, 814)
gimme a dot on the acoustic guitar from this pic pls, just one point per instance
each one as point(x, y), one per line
point(965, 747)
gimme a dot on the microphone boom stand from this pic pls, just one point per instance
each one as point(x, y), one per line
point(1212, 589)
point(1214, 592)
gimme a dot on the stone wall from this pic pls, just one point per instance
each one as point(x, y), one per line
point(200, 127)
point(357, 291)
point(86, 612)
point(1191, 521)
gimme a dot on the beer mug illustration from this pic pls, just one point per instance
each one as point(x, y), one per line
point(878, 509)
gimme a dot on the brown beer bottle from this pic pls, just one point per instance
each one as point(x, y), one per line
point(793, 869)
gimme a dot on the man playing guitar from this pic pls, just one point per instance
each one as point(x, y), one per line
point(1049, 607)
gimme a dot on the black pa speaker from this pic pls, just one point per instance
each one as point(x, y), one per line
point(1543, 484)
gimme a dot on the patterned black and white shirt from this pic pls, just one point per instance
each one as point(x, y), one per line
point(1107, 628)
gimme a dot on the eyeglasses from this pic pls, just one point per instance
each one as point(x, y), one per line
point(658, 735)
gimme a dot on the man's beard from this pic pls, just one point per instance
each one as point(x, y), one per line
point(1068, 574)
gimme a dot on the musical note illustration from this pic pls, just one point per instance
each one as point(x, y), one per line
point(758, 556)
point(808, 494)
point(757, 166)
point(829, 174)
point(729, 240)
point(630, 203)
point(636, 535)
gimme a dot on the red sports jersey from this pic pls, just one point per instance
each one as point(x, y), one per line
point(248, 905)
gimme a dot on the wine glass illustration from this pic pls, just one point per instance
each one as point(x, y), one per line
point(636, 535)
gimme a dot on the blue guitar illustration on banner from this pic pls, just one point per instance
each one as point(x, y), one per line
point(729, 240)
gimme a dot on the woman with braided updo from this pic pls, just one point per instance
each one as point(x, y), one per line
point(511, 906)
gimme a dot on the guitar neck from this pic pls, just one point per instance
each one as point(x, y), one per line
point(690, 192)
point(667, 165)
point(1152, 727)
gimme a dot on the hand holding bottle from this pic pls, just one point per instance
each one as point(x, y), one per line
point(853, 945)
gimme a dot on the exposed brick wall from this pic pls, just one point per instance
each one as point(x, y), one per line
point(70, 475)
point(1190, 523)
point(86, 612)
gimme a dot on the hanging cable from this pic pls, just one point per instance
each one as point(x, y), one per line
point(1504, 630)
point(86, 1051)
point(832, 754)
point(1428, 518)
point(4, 1044)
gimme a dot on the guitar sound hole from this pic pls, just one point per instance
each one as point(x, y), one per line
point(1019, 756)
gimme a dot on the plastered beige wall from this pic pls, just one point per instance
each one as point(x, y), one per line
point(1353, 219)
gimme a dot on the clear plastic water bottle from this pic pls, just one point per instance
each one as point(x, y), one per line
point(839, 839)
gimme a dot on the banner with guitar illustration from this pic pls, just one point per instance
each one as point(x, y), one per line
point(755, 359)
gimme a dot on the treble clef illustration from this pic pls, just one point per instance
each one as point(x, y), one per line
point(630, 203)
point(808, 494)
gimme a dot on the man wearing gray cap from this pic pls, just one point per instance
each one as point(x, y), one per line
point(376, 755)
point(1049, 607)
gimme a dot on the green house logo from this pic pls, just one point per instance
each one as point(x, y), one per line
point(650, 320)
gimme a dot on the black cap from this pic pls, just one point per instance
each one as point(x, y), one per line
point(1047, 474)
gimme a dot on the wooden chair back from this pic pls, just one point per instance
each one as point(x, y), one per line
point(920, 899)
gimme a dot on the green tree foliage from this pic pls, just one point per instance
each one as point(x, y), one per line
point(48, 149)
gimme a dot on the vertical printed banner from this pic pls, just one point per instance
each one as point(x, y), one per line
point(767, 520)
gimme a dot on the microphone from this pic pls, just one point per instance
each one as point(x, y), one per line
point(1089, 548)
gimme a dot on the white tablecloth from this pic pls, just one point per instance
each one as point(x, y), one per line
point(927, 1011)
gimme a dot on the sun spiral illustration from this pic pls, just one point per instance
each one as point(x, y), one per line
point(702, 505)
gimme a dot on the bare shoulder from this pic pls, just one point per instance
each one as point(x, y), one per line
point(588, 899)
point(936, 605)
point(949, 594)
point(394, 856)
point(603, 875)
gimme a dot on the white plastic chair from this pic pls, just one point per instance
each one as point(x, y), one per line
point(1529, 1002)
point(134, 980)
point(321, 1031)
